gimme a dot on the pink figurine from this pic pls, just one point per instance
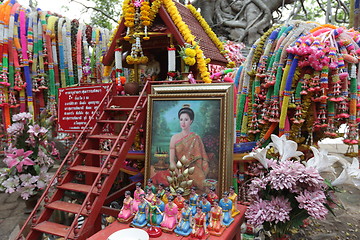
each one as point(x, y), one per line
point(138, 191)
point(170, 216)
point(126, 212)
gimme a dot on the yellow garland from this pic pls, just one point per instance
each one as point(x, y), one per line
point(189, 38)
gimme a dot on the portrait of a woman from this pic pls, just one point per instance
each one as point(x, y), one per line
point(189, 144)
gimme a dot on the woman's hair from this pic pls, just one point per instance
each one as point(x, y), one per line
point(138, 184)
point(170, 198)
point(186, 109)
point(127, 193)
point(187, 202)
point(232, 188)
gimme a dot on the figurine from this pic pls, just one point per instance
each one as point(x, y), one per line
point(169, 222)
point(140, 220)
point(179, 201)
point(233, 197)
point(150, 186)
point(184, 226)
point(166, 195)
point(199, 230)
point(161, 189)
point(226, 205)
point(216, 218)
point(150, 196)
point(126, 212)
point(138, 191)
point(157, 211)
point(193, 200)
point(212, 195)
point(206, 206)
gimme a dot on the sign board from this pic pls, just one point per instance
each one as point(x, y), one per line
point(77, 105)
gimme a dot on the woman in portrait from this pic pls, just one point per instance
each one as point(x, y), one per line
point(190, 145)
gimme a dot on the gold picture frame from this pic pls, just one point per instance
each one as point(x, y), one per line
point(212, 127)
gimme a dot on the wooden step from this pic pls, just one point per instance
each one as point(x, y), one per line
point(52, 228)
point(66, 207)
point(87, 169)
point(114, 121)
point(119, 108)
point(76, 187)
point(99, 152)
point(106, 136)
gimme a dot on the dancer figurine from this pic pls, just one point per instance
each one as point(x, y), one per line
point(126, 212)
point(216, 217)
point(150, 196)
point(141, 217)
point(212, 195)
point(179, 201)
point(138, 191)
point(165, 197)
point(226, 205)
point(161, 189)
point(184, 226)
point(199, 229)
point(170, 216)
point(233, 197)
point(193, 200)
point(206, 206)
point(150, 186)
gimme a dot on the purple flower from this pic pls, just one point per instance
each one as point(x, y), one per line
point(279, 209)
point(256, 185)
point(257, 213)
point(313, 202)
point(19, 158)
point(137, 3)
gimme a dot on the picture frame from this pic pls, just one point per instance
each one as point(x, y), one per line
point(211, 132)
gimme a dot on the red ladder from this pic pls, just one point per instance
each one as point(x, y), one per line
point(85, 158)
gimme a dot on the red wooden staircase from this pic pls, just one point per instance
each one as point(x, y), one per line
point(119, 119)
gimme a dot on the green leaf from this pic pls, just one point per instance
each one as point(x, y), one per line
point(37, 169)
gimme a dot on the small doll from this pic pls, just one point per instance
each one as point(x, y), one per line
point(170, 215)
point(140, 220)
point(226, 205)
point(126, 212)
point(212, 195)
point(138, 191)
point(150, 186)
point(184, 226)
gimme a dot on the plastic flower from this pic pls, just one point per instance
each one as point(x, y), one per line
point(19, 158)
point(279, 209)
point(11, 184)
point(321, 161)
point(15, 128)
point(21, 116)
point(257, 213)
point(313, 202)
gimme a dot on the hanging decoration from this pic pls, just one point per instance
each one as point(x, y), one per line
point(300, 79)
point(37, 56)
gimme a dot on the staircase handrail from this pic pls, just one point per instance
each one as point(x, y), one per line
point(104, 164)
point(110, 90)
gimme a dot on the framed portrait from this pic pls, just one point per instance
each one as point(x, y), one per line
point(190, 137)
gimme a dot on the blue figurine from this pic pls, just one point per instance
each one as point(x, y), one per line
point(193, 200)
point(184, 226)
point(140, 220)
point(206, 206)
point(226, 205)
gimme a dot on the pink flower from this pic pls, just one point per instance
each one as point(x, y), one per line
point(15, 129)
point(21, 116)
point(36, 130)
point(19, 158)
point(279, 209)
point(257, 213)
point(137, 3)
point(313, 202)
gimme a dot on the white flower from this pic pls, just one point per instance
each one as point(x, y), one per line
point(21, 116)
point(321, 161)
point(286, 148)
point(260, 155)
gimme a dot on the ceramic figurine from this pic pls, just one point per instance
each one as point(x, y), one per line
point(193, 200)
point(226, 205)
point(157, 211)
point(184, 226)
point(166, 195)
point(212, 195)
point(206, 206)
point(179, 201)
point(161, 189)
point(150, 196)
point(170, 216)
point(233, 197)
point(199, 228)
point(138, 191)
point(216, 217)
point(140, 220)
point(126, 212)
point(150, 185)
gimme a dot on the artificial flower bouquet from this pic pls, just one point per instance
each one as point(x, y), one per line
point(188, 53)
point(28, 156)
point(287, 191)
